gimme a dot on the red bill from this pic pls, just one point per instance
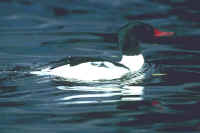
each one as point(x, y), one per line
point(158, 33)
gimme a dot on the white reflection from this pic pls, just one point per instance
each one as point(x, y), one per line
point(133, 93)
point(133, 90)
point(132, 99)
point(88, 102)
point(89, 88)
point(89, 96)
point(104, 94)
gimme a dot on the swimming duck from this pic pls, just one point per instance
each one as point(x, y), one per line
point(132, 60)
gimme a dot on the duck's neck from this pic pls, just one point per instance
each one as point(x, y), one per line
point(133, 62)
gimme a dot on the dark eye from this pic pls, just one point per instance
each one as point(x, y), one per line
point(143, 31)
point(146, 28)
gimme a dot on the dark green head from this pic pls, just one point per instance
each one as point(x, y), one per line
point(131, 34)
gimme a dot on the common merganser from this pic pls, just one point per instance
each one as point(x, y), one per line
point(131, 60)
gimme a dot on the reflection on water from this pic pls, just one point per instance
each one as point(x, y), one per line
point(126, 93)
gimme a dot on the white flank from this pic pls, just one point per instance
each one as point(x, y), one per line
point(91, 71)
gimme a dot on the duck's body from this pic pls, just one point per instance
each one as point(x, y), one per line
point(132, 59)
point(97, 70)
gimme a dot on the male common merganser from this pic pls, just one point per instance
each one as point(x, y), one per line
point(132, 60)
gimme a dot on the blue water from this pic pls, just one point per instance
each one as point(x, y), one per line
point(37, 34)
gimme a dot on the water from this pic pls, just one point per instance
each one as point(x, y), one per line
point(36, 34)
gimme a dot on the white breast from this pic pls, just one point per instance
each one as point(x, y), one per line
point(134, 63)
point(91, 71)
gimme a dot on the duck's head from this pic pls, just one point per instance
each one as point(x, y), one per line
point(131, 34)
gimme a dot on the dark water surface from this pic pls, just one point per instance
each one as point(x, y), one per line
point(41, 33)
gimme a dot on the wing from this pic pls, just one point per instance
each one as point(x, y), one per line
point(73, 61)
